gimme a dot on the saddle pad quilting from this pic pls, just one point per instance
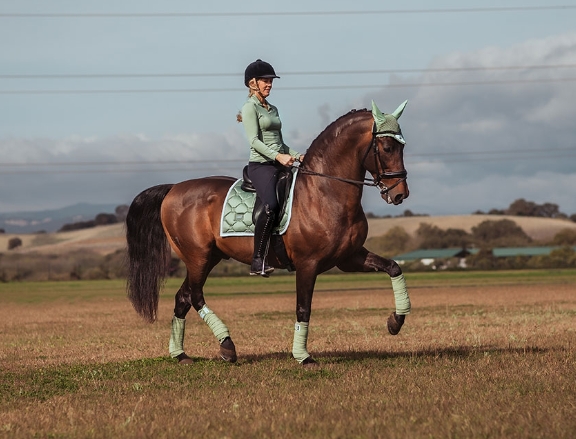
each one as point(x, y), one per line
point(237, 211)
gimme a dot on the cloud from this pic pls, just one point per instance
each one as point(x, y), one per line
point(61, 172)
point(507, 135)
point(511, 138)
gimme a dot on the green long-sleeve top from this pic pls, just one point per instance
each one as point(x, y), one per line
point(264, 131)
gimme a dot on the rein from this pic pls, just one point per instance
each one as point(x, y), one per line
point(376, 181)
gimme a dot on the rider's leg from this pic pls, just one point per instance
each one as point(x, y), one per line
point(264, 178)
point(262, 233)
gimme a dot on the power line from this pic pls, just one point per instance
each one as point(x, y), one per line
point(117, 163)
point(295, 73)
point(297, 88)
point(281, 13)
point(238, 169)
point(519, 154)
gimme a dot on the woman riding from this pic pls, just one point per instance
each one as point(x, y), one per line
point(268, 155)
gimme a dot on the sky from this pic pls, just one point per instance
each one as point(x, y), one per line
point(101, 100)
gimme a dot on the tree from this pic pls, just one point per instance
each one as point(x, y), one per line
point(434, 237)
point(14, 243)
point(564, 237)
point(393, 242)
point(103, 219)
point(502, 233)
point(564, 257)
point(547, 210)
point(77, 226)
point(521, 207)
point(483, 260)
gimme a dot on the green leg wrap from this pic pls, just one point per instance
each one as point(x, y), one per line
point(300, 340)
point(218, 328)
point(401, 295)
point(176, 345)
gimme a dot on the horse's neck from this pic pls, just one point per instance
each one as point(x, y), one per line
point(339, 151)
point(337, 155)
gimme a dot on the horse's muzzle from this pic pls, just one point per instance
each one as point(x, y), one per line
point(395, 195)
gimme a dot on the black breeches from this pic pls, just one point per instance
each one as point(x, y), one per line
point(264, 177)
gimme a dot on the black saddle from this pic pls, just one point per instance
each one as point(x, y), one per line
point(282, 192)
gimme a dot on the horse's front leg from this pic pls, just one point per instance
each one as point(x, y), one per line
point(305, 281)
point(365, 261)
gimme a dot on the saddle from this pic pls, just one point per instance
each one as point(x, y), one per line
point(282, 192)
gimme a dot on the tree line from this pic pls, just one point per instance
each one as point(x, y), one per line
point(519, 207)
point(485, 236)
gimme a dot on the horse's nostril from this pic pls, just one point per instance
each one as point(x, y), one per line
point(398, 199)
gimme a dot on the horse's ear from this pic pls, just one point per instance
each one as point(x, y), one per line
point(379, 117)
point(398, 112)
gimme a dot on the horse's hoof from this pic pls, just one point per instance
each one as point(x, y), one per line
point(395, 323)
point(309, 363)
point(228, 350)
point(184, 359)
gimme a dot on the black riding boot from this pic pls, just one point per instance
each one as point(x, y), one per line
point(262, 232)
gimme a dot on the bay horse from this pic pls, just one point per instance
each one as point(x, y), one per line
point(327, 229)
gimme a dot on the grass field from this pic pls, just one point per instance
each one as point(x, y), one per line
point(482, 355)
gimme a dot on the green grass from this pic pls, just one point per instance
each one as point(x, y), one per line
point(37, 292)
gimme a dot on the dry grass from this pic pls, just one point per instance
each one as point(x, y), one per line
point(489, 360)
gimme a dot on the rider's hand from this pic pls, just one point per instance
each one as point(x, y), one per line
point(285, 159)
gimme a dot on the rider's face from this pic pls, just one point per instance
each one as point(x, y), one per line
point(264, 86)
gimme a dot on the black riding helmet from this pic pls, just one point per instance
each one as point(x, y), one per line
point(258, 69)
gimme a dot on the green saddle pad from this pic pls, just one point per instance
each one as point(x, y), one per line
point(237, 212)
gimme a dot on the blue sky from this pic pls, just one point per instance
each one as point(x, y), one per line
point(95, 107)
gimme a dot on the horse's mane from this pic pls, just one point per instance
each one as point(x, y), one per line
point(336, 125)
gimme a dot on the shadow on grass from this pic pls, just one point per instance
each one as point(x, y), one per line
point(335, 357)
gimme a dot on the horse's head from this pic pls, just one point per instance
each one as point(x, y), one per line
point(385, 158)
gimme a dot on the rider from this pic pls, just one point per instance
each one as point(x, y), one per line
point(268, 155)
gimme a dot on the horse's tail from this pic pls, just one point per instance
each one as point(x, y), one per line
point(148, 251)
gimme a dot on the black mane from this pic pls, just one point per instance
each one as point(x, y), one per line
point(333, 125)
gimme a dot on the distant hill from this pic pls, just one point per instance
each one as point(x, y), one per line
point(108, 239)
point(539, 229)
point(51, 220)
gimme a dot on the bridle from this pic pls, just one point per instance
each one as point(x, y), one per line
point(381, 174)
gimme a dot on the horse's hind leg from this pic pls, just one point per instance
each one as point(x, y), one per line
point(191, 295)
point(366, 261)
point(182, 306)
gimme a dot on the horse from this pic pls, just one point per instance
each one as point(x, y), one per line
point(327, 229)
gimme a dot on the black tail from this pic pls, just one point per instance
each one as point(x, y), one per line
point(148, 251)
